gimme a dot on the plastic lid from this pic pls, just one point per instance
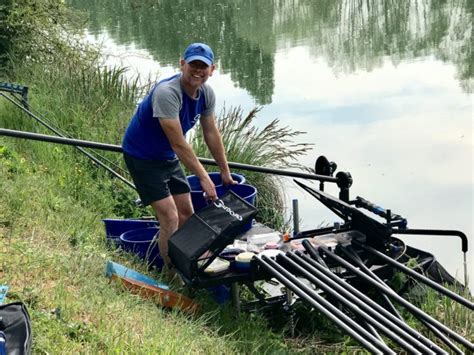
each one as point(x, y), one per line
point(265, 238)
point(217, 265)
point(245, 257)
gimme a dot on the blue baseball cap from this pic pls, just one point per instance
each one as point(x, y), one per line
point(199, 51)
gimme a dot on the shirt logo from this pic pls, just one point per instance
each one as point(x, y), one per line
point(220, 204)
point(194, 120)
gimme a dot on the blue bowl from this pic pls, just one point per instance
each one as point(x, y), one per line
point(140, 242)
point(114, 228)
point(220, 293)
point(195, 185)
point(247, 192)
point(241, 266)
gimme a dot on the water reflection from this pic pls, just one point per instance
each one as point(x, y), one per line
point(349, 35)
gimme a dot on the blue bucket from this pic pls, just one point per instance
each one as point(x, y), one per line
point(220, 293)
point(114, 228)
point(195, 185)
point(139, 241)
point(246, 192)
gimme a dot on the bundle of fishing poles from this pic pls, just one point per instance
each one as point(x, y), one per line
point(289, 268)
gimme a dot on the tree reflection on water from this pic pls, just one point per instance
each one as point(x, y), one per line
point(350, 35)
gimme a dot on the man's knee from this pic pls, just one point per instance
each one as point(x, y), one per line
point(167, 216)
point(184, 207)
point(184, 214)
point(169, 220)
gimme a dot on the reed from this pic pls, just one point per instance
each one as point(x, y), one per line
point(271, 146)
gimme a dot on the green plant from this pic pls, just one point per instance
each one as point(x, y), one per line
point(272, 146)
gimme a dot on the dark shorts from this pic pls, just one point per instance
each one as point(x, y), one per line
point(156, 179)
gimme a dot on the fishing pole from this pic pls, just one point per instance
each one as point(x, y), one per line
point(60, 134)
point(365, 269)
point(36, 115)
point(416, 275)
point(341, 285)
point(356, 260)
point(357, 307)
point(118, 149)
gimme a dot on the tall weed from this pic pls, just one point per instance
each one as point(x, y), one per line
point(272, 146)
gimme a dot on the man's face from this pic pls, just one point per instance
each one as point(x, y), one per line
point(196, 72)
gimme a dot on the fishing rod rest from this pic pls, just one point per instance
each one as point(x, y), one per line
point(344, 182)
point(392, 219)
point(324, 167)
point(16, 89)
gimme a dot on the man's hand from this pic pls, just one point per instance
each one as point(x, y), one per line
point(209, 188)
point(227, 179)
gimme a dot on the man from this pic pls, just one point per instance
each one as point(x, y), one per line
point(154, 142)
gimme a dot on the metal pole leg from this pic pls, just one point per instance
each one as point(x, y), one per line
point(234, 289)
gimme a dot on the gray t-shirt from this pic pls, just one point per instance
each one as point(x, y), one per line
point(169, 95)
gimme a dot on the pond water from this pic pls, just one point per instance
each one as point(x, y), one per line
point(384, 89)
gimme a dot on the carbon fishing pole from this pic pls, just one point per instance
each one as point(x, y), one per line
point(340, 285)
point(354, 257)
point(417, 276)
point(60, 134)
point(413, 309)
point(117, 148)
point(364, 268)
point(40, 118)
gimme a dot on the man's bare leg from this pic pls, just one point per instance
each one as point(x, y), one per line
point(167, 214)
point(184, 207)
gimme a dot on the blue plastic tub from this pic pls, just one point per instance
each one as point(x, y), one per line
point(220, 293)
point(114, 228)
point(247, 192)
point(139, 241)
point(195, 185)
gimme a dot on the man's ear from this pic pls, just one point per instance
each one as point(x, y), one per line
point(182, 62)
point(213, 67)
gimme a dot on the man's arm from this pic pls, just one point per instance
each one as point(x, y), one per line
point(174, 133)
point(213, 139)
